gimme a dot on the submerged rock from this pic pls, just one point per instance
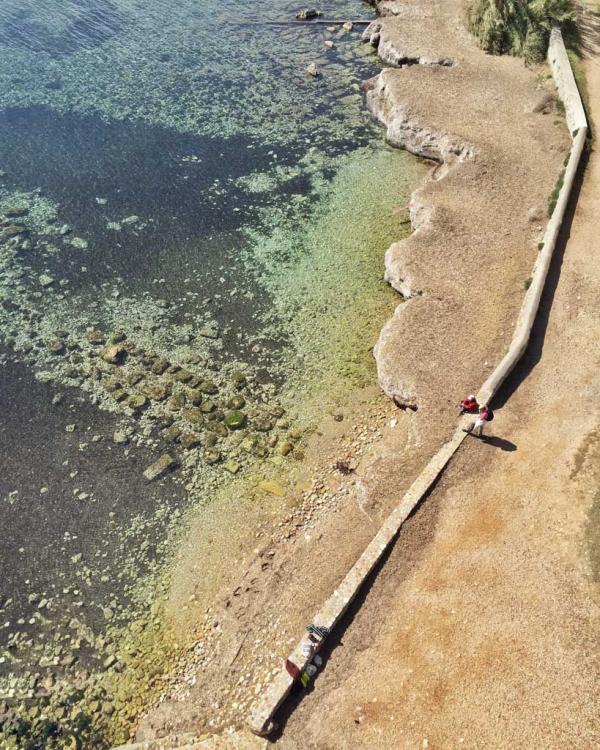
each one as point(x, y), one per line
point(285, 448)
point(113, 354)
point(190, 440)
point(272, 487)
point(137, 402)
point(209, 331)
point(120, 437)
point(261, 424)
point(56, 347)
point(160, 467)
point(236, 402)
point(235, 420)
point(95, 337)
point(14, 212)
point(307, 13)
point(212, 456)
point(45, 280)
point(231, 466)
point(206, 386)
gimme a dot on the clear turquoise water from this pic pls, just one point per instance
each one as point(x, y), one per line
point(204, 179)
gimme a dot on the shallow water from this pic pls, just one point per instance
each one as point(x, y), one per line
point(173, 179)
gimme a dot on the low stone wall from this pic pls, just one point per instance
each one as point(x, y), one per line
point(261, 719)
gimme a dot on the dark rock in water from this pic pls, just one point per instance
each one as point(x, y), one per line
point(238, 378)
point(209, 331)
point(190, 440)
point(177, 401)
point(217, 428)
point(56, 347)
point(194, 415)
point(212, 456)
point(137, 402)
point(134, 377)
point(164, 464)
point(113, 354)
point(261, 451)
point(206, 386)
point(160, 366)
point(183, 376)
point(195, 397)
point(158, 392)
point(173, 433)
point(210, 440)
point(261, 424)
point(166, 420)
point(117, 337)
point(208, 406)
point(194, 382)
point(95, 337)
point(235, 419)
point(236, 402)
point(15, 211)
point(307, 13)
point(14, 230)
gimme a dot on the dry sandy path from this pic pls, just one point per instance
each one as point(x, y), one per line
point(482, 629)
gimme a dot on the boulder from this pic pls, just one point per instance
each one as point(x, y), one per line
point(235, 419)
point(137, 402)
point(285, 448)
point(160, 467)
point(236, 402)
point(312, 70)
point(56, 347)
point(159, 366)
point(114, 354)
point(193, 415)
point(206, 386)
point(212, 456)
point(14, 212)
point(190, 440)
point(95, 337)
point(45, 280)
point(307, 13)
point(231, 466)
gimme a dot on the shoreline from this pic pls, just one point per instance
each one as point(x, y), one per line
point(422, 210)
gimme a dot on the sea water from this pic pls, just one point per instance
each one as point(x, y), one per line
point(193, 230)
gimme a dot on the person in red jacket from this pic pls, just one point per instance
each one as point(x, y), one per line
point(469, 405)
point(476, 427)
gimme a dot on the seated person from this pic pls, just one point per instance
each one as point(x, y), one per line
point(469, 405)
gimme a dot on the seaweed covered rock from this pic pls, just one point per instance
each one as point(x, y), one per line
point(235, 419)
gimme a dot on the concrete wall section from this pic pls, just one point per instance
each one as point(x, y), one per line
point(565, 82)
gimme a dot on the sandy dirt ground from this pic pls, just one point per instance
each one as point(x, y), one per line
point(482, 629)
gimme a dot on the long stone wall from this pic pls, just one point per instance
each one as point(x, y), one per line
point(261, 720)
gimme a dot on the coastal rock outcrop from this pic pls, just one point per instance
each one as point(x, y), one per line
point(470, 222)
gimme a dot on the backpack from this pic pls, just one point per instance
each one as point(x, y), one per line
point(490, 415)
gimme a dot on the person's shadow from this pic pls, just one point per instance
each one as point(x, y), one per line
point(498, 442)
